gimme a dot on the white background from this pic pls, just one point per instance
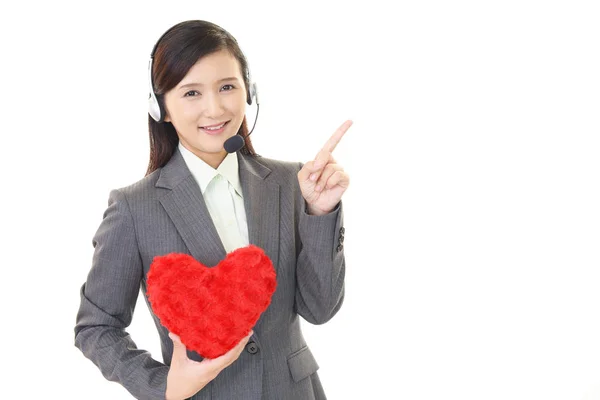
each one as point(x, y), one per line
point(473, 216)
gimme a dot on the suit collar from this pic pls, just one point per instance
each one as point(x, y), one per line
point(204, 173)
point(261, 202)
point(176, 170)
point(252, 166)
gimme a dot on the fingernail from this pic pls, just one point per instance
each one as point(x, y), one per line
point(313, 177)
point(318, 188)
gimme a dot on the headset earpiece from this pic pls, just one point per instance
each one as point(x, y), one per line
point(155, 107)
point(252, 94)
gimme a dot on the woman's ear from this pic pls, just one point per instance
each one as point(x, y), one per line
point(167, 118)
point(163, 108)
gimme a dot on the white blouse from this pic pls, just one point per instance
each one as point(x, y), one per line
point(223, 196)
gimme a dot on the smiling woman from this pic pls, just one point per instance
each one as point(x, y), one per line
point(206, 108)
point(202, 200)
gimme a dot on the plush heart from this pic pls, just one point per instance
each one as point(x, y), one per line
point(211, 309)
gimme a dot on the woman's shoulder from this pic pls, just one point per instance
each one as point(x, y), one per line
point(141, 189)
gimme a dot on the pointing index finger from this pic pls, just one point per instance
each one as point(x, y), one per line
point(336, 137)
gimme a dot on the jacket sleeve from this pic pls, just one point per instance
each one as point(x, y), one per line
point(108, 299)
point(320, 265)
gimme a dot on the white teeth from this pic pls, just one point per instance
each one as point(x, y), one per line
point(215, 127)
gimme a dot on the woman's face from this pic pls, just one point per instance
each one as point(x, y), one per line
point(212, 93)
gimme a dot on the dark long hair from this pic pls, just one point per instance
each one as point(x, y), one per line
point(176, 53)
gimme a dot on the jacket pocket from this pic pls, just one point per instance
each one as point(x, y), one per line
point(302, 363)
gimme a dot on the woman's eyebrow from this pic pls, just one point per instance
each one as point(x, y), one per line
point(231, 78)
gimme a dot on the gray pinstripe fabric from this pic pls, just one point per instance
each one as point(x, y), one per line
point(165, 212)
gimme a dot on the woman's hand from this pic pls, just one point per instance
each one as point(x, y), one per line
point(322, 181)
point(187, 377)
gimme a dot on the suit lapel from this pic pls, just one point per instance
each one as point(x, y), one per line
point(261, 202)
point(183, 202)
point(182, 199)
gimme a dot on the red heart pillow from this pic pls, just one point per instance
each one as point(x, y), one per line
point(211, 309)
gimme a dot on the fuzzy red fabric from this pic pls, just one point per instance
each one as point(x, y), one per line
point(211, 309)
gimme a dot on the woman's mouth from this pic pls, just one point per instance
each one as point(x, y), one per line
point(214, 129)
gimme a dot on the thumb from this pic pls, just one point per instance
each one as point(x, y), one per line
point(179, 350)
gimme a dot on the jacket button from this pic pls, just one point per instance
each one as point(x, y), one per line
point(340, 247)
point(342, 230)
point(252, 348)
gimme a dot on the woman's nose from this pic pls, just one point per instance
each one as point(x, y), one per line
point(214, 106)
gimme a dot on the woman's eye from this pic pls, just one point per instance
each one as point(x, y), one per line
point(191, 93)
point(231, 87)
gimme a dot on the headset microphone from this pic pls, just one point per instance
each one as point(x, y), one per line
point(234, 143)
point(237, 142)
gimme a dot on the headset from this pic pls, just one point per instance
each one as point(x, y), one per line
point(157, 111)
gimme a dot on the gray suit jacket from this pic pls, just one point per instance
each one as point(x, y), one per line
point(165, 212)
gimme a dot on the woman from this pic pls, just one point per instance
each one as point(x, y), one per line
point(198, 199)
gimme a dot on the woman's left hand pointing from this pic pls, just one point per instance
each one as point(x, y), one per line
point(323, 181)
